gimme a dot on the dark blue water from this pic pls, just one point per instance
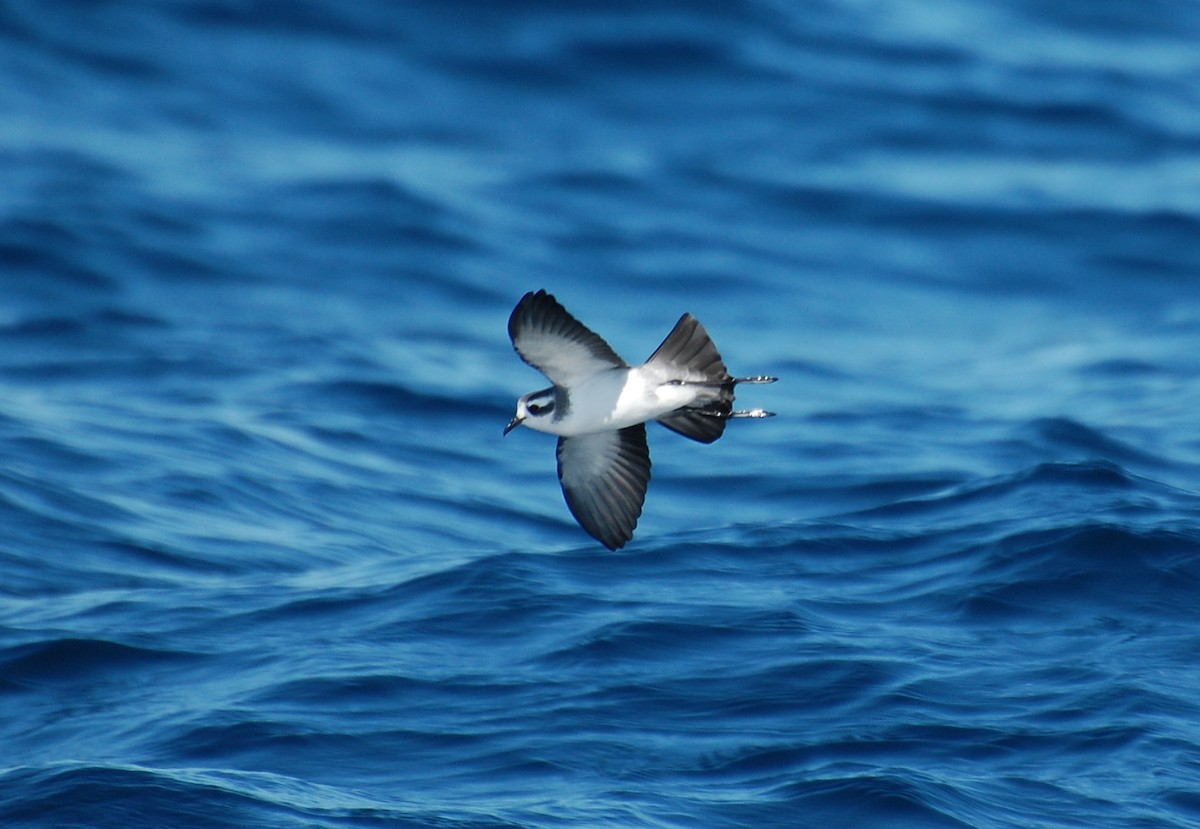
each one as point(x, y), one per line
point(266, 561)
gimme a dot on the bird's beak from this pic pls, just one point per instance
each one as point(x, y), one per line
point(512, 424)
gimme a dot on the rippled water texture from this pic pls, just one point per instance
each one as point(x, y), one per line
point(266, 560)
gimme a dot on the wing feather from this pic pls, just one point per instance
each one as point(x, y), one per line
point(555, 343)
point(604, 478)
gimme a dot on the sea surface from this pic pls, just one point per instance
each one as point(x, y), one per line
point(266, 561)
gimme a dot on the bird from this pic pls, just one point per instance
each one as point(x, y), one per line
point(598, 407)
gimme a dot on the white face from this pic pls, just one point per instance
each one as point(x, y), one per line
point(536, 405)
point(535, 410)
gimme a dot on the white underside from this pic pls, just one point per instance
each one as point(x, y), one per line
point(615, 399)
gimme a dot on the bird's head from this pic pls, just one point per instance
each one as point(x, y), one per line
point(533, 407)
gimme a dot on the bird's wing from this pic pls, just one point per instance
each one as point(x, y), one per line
point(604, 477)
point(555, 343)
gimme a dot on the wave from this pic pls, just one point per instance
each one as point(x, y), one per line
point(123, 795)
point(75, 661)
point(1095, 569)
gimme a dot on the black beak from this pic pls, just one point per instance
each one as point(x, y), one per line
point(512, 424)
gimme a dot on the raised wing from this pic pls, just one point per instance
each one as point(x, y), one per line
point(604, 477)
point(555, 343)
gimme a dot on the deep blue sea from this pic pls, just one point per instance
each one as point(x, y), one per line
point(266, 561)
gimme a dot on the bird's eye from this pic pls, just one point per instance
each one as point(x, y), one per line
point(540, 408)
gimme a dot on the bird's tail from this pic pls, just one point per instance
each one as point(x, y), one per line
point(689, 357)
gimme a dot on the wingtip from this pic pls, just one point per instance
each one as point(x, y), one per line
point(522, 310)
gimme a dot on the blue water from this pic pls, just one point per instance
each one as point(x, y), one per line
point(266, 561)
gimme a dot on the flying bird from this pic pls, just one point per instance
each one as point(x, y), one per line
point(599, 405)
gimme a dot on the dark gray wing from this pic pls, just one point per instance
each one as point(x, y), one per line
point(555, 343)
point(604, 478)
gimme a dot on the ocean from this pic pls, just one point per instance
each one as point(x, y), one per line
point(266, 561)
